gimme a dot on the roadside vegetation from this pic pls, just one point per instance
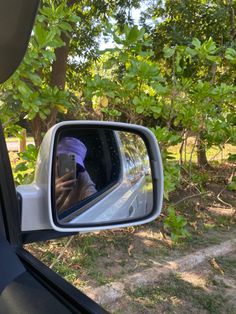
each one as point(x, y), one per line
point(174, 77)
point(91, 260)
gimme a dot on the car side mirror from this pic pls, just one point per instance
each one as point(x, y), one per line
point(92, 176)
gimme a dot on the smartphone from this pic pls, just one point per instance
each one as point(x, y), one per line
point(67, 164)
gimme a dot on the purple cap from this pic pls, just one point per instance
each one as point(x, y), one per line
point(68, 145)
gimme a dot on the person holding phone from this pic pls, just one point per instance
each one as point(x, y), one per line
point(72, 183)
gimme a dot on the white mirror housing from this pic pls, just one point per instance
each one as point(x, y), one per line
point(105, 209)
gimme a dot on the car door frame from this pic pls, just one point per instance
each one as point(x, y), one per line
point(10, 229)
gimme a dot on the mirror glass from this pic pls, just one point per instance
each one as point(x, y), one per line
point(101, 176)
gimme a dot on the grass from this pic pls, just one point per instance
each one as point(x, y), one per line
point(97, 259)
point(202, 290)
point(82, 259)
point(175, 295)
point(100, 258)
point(214, 153)
point(229, 265)
point(205, 228)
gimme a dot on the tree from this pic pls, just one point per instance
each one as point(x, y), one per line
point(128, 84)
point(64, 31)
point(176, 23)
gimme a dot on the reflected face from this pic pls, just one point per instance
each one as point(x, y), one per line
point(114, 161)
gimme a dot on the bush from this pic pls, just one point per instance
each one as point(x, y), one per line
point(176, 225)
point(24, 170)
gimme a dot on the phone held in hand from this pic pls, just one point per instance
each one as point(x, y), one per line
point(67, 164)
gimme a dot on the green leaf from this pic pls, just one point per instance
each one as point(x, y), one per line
point(24, 90)
point(230, 54)
point(40, 34)
point(160, 89)
point(146, 54)
point(191, 52)
point(209, 46)
point(213, 58)
point(136, 101)
point(232, 158)
point(133, 34)
point(36, 79)
point(139, 109)
point(110, 94)
point(75, 18)
point(57, 42)
point(156, 109)
point(42, 115)
point(232, 186)
point(168, 52)
point(174, 139)
point(21, 167)
point(196, 42)
point(34, 107)
point(66, 26)
point(48, 54)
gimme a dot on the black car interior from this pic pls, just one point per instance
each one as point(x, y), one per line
point(102, 162)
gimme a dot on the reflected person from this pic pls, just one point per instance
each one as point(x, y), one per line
point(69, 191)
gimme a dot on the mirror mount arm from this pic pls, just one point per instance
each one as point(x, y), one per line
point(33, 205)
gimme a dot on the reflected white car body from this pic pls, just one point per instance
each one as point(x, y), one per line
point(128, 200)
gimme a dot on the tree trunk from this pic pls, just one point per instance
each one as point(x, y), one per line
point(58, 78)
point(23, 141)
point(232, 20)
point(201, 152)
point(58, 74)
point(38, 128)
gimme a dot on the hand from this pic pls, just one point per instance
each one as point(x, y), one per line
point(63, 184)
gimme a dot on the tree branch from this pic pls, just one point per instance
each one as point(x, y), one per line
point(62, 252)
point(190, 196)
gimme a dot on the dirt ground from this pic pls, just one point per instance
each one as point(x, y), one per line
point(203, 290)
point(92, 260)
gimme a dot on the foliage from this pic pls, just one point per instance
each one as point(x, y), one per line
point(171, 168)
point(175, 74)
point(32, 89)
point(45, 84)
point(176, 224)
point(25, 167)
point(138, 89)
point(200, 179)
point(232, 158)
point(232, 185)
point(162, 95)
point(177, 22)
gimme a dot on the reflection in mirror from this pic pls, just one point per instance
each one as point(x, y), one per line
point(137, 172)
point(101, 175)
